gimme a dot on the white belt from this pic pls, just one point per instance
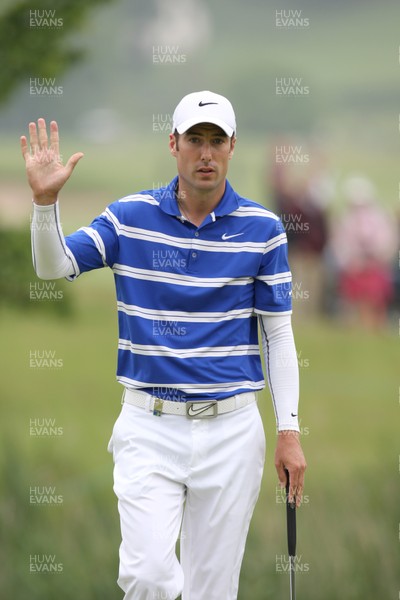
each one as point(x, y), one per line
point(192, 409)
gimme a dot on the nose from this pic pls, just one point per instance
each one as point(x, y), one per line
point(206, 152)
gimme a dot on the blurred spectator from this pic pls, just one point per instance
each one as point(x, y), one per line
point(363, 246)
point(301, 204)
point(395, 304)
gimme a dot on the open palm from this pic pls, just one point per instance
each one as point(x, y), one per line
point(45, 170)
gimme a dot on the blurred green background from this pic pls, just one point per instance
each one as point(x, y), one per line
point(347, 54)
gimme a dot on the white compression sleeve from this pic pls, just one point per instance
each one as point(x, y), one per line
point(282, 368)
point(51, 259)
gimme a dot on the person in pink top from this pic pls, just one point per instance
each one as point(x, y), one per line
point(363, 245)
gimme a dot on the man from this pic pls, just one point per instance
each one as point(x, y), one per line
point(196, 268)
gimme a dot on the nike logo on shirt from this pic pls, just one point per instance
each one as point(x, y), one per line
point(228, 237)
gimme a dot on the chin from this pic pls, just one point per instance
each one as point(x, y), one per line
point(207, 185)
point(211, 181)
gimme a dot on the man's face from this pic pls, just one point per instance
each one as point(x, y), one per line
point(202, 154)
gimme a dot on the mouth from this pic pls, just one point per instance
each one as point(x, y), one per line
point(205, 170)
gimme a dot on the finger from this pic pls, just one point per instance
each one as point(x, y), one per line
point(300, 486)
point(294, 495)
point(33, 138)
point(42, 133)
point(293, 486)
point(289, 488)
point(73, 161)
point(281, 475)
point(54, 138)
point(24, 146)
point(299, 497)
point(296, 486)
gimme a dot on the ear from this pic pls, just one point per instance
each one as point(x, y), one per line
point(172, 144)
point(231, 151)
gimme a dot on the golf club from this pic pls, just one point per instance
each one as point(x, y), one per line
point(291, 537)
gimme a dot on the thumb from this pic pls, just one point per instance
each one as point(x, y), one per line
point(73, 161)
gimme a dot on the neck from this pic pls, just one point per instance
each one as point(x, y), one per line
point(196, 204)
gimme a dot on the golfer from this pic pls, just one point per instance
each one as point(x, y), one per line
point(199, 270)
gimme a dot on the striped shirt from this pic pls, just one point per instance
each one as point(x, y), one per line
point(188, 296)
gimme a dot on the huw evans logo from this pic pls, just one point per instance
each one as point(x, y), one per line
point(44, 563)
point(291, 86)
point(44, 495)
point(44, 19)
point(291, 19)
point(164, 55)
point(304, 430)
point(169, 393)
point(294, 223)
point(44, 221)
point(167, 258)
point(168, 328)
point(284, 291)
point(285, 360)
point(44, 427)
point(162, 123)
point(282, 563)
point(163, 192)
point(291, 154)
point(45, 86)
point(45, 290)
point(44, 359)
point(281, 496)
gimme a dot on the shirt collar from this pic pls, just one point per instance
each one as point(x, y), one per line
point(166, 196)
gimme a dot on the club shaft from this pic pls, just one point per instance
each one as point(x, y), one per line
point(292, 579)
point(291, 537)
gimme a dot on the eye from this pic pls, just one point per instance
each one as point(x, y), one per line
point(218, 141)
point(194, 140)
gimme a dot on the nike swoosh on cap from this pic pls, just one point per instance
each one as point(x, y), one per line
point(228, 237)
point(201, 103)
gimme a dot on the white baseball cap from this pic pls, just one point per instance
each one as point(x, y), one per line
point(204, 107)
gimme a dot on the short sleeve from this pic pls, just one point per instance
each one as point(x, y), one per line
point(273, 284)
point(95, 246)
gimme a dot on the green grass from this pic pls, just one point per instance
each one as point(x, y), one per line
point(347, 527)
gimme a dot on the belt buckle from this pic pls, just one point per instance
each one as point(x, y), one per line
point(158, 407)
point(199, 409)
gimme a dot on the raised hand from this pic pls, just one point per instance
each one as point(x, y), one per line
point(45, 170)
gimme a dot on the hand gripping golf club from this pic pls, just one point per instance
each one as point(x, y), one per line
point(291, 537)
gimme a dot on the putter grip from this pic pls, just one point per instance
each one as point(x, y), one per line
point(291, 521)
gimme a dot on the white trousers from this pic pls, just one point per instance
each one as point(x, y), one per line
point(198, 478)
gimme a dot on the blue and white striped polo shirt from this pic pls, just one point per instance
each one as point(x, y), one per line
point(188, 296)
